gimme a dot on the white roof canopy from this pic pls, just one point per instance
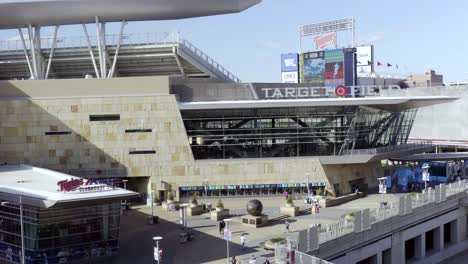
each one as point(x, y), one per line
point(39, 187)
point(15, 14)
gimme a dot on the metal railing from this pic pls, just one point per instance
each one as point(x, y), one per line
point(332, 231)
point(209, 60)
point(81, 42)
point(342, 227)
point(380, 214)
point(138, 39)
point(401, 147)
point(285, 251)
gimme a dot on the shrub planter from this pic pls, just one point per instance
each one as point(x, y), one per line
point(195, 210)
point(290, 209)
point(219, 214)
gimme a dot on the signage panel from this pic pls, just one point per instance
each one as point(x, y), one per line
point(290, 77)
point(364, 56)
point(289, 62)
point(312, 68)
point(325, 41)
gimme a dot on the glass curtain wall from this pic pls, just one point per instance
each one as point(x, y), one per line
point(59, 235)
point(291, 132)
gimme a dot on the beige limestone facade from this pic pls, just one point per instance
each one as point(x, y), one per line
point(132, 127)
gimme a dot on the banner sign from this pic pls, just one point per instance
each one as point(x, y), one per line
point(325, 41)
point(290, 77)
point(312, 68)
point(83, 185)
point(304, 91)
point(289, 62)
point(364, 55)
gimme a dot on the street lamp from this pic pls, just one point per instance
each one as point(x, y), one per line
point(227, 236)
point(205, 183)
point(308, 184)
point(125, 187)
point(157, 253)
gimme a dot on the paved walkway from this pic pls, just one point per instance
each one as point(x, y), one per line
point(208, 246)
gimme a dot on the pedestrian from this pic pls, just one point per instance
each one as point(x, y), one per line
point(253, 260)
point(286, 225)
point(266, 261)
point(233, 260)
point(223, 225)
point(242, 239)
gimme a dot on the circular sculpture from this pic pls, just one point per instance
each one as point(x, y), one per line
point(254, 208)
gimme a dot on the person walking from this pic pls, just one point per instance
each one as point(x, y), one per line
point(233, 260)
point(286, 225)
point(242, 239)
point(253, 260)
point(266, 261)
point(221, 227)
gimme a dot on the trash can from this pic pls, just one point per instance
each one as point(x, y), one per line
point(183, 238)
point(189, 236)
point(152, 219)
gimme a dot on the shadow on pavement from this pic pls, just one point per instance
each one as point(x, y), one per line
point(136, 243)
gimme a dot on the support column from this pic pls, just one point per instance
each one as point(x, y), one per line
point(420, 246)
point(439, 238)
point(398, 249)
point(455, 234)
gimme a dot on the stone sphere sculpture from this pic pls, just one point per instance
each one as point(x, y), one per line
point(254, 208)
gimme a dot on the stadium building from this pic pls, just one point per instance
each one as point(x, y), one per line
point(163, 115)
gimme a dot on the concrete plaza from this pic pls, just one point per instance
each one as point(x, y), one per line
point(208, 245)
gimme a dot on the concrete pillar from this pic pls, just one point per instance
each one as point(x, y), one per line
point(302, 241)
point(397, 254)
point(455, 233)
point(420, 246)
point(408, 204)
point(379, 259)
point(401, 205)
point(366, 223)
point(313, 238)
point(358, 221)
point(439, 238)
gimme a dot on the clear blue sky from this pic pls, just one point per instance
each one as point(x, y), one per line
point(416, 35)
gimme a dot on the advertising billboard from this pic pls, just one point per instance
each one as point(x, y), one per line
point(289, 62)
point(334, 68)
point(365, 61)
point(312, 68)
point(365, 55)
point(325, 41)
point(290, 77)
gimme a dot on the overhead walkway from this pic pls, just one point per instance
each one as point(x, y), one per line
point(149, 54)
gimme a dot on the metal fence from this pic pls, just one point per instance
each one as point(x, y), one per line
point(331, 231)
point(286, 253)
point(342, 227)
point(208, 60)
point(382, 213)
